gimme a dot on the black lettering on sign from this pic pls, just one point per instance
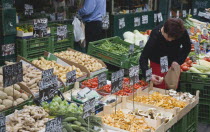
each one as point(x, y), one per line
point(102, 79)
point(61, 32)
point(40, 27)
point(54, 125)
point(89, 113)
point(49, 82)
point(131, 49)
point(71, 78)
point(88, 105)
point(134, 75)
point(8, 49)
point(47, 73)
point(46, 94)
point(12, 74)
point(29, 10)
point(148, 74)
point(164, 64)
point(117, 81)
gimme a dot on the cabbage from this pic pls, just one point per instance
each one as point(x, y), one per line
point(54, 106)
point(57, 99)
point(80, 109)
point(129, 35)
point(45, 105)
point(65, 103)
point(73, 108)
point(129, 41)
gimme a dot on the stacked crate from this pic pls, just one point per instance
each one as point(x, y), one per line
point(7, 31)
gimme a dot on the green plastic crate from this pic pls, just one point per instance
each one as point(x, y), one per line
point(6, 3)
point(204, 112)
point(53, 28)
point(7, 39)
point(34, 47)
point(10, 58)
point(195, 77)
point(7, 21)
point(122, 61)
point(193, 87)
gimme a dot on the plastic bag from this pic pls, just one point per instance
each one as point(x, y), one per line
point(79, 34)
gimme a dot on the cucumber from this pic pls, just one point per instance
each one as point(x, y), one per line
point(81, 120)
point(77, 123)
point(75, 127)
point(64, 130)
point(70, 119)
point(68, 128)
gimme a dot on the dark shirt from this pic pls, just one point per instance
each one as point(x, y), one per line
point(157, 46)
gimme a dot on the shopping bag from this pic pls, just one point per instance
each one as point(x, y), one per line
point(172, 77)
point(79, 32)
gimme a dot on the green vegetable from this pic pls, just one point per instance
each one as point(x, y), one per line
point(194, 70)
point(70, 119)
point(57, 99)
point(68, 128)
point(64, 130)
point(45, 105)
point(81, 120)
point(75, 127)
point(77, 123)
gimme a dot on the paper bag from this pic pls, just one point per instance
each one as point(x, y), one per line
point(172, 77)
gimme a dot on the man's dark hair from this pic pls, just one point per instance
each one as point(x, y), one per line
point(174, 27)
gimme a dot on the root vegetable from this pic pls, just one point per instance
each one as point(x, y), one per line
point(17, 87)
point(17, 94)
point(24, 96)
point(19, 100)
point(7, 103)
point(8, 91)
point(10, 98)
point(2, 107)
point(3, 95)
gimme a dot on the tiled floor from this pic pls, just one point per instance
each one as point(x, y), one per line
point(203, 127)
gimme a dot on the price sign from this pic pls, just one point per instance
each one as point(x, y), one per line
point(71, 78)
point(205, 47)
point(145, 19)
point(62, 32)
point(170, 14)
point(89, 107)
point(29, 10)
point(117, 81)
point(137, 21)
point(8, 49)
point(60, 16)
point(160, 17)
point(54, 125)
point(164, 64)
point(177, 14)
point(40, 27)
point(121, 23)
point(148, 74)
point(134, 75)
point(105, 22)
point(205, 32)
point(155, 17)
point(102, 79)
point(195, 11)
point(131, 48)
point(47, 73)
point(2, 122)
point(184, 13)
point(141, 43)
point(189, 11)
point(197, 47)
point(193, 58)
point(12, 74)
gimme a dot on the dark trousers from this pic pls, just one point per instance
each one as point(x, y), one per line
point(93, 32)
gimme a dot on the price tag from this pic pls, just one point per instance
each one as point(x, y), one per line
point(189, 11)
point(54, 125)
point(102, 79)
point(155, 17)
point(193, 58)
point(164, 64)
point(71, 78)
point(205, 47)
point(121, 23)
point(60, 16)
point(8, 49)
point(62, 32)
point(47, 73)
point(145, 19)
point(200, 14)
point(12, 74)
point(40, 27)
point(197, 47)
point(105, 22)
point(89, 107)
point(195, 11)
point(137, 21)
point(131, 48)
point(141, 43)
point(148, 74)
point(134, 75)
point(170, 14)
point(29, 10)
point(117, 81)
point(2, 122)
point(177, 14)
point(184, 13)
point(160, 18)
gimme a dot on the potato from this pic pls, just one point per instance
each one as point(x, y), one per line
point(17, 87)
point(19, 100)
point(3, 95)
point(7, 103)
point(17, 94)
point(24, 96)
point(2, 107)
point(10, 98)
point(9, 91)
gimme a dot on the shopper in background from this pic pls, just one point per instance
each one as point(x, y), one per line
point(171, 40)
point(92, 13)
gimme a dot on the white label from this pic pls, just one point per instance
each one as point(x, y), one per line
point(155, 17)
point(137, 21)
point(195, 11)
point(145, 19)
point(197, 47)
point(184, 13)
point(171, 14)
point(141, 43)
point(148, 74)
point(160, 18)
point(177, 14)
point(164, 64)
point(121, 23)
point(29, 10)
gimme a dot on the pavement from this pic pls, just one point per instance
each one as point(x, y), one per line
point(203, 127)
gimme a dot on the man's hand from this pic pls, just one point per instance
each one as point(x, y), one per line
point(174, 64)
point(157, 79)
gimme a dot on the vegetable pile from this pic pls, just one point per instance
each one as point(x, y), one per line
point(89, 62)
point(90, 83)
point(29, 119)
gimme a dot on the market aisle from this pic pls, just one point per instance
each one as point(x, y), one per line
point(203, 127)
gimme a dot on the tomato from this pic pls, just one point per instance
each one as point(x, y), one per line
point(187, 59)
point(189, 62)
point(185, 68)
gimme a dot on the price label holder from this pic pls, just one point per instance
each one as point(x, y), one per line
point(47, 73)
point(195, 11)
point(137, 21)
point(197, 48)
point(102, 79)
point(155, 17)
point(89, 108)
point(29, 10)
point(40, 27)
point(184, 13)
point(131, 49)
point(145, 19)
point(61, 32)
point(141, 44)
point(2, 122)
point(134, 78)
point(164, 64)
point(121, 23)
point(160, 17)
point(71, 78)
point(8, 49)
point(148, 75)
point(54, 125)
point(177, 14)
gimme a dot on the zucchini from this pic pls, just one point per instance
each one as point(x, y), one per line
point(75, 127)
point(68, 128)
point(70, 119)
point(77, 123)
point(64, 130)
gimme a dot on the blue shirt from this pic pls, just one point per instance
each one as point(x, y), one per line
point(93, 10)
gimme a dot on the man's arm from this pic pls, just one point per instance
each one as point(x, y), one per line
point(87, 8)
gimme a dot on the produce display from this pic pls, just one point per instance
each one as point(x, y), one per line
point(126, 122)
point(25, 28)
point(160, 100)
point(59, 70)
point(90, 83)
point(89, 62)
point(29, 119)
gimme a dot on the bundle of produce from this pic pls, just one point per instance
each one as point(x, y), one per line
point(181, 96)
point(29, 119)
point(83, 59)
point(59, 69)
point(126, 122)
point(160, 100)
